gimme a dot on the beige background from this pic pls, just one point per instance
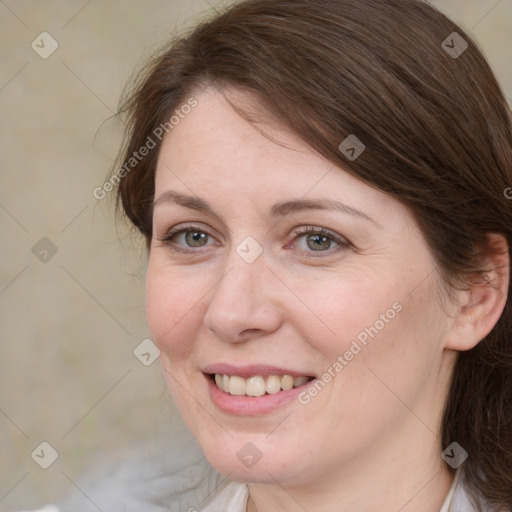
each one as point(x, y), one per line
point(69, 326)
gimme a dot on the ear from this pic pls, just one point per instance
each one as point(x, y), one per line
point(482, 305)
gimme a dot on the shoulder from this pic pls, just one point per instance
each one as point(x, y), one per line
point(156, 477)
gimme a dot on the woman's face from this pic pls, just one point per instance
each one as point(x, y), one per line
point(281, 264)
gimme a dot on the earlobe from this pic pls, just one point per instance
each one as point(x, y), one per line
point(485, 300)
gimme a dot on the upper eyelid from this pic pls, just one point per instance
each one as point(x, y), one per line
point(184, 227)
point(300, 230)
point(341, 240)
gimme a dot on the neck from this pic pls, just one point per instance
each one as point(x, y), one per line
point(409, 483)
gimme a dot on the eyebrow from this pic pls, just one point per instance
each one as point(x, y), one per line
point(194, 203)
point(286, 207)
point(278, 210)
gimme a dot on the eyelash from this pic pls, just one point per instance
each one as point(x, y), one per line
point(168, 240)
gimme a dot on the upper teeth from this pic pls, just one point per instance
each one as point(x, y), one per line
point(257, 385)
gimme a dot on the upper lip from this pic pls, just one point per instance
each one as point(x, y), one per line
point(252, 370)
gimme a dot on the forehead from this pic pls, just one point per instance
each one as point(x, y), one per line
point(214, 152)
point(214, 134)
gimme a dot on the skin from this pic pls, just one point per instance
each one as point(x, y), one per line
point(369, 440)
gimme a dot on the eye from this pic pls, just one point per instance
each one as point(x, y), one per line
point(193, 238)
point(312, 239)
point(182, 238)
point(318, 242)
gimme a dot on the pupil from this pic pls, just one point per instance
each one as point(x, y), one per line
point(319, 242)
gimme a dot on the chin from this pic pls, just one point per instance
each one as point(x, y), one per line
point(248, 459)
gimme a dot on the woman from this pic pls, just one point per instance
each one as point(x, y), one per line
point(328, 273)
point(321, 186)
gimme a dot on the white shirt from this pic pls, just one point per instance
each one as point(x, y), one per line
point(233, 498)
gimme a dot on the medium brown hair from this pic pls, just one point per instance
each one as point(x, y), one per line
point(438, 137)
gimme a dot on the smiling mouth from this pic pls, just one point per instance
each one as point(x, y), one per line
point(257, 385)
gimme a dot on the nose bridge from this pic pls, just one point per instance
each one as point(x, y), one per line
point(241, 286)
point(241, 300)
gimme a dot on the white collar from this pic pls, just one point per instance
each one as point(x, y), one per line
point(447, 504)
point(234, 496)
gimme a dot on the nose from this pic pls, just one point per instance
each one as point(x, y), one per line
point(244, 304)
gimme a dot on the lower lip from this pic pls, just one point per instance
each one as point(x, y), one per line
point(251, 405)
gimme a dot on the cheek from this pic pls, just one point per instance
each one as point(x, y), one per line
point(375, 325)
point(342, 310)
point(172, 305)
